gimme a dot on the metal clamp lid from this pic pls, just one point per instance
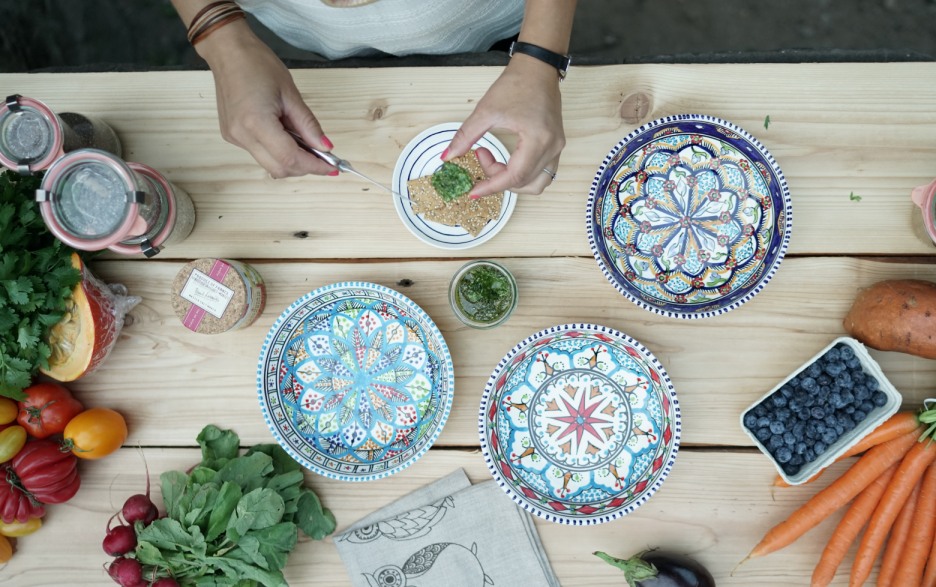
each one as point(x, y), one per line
point(12, 102)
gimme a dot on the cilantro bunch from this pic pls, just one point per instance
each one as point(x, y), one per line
point(36, 280)
point(232, 520)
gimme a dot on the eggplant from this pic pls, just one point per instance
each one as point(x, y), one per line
point(659, 568)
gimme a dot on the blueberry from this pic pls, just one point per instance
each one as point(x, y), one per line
point(835, 400)
point(830, 436)
point(839, 429)
point(799, 430)
point(810, 455)
point(760, 410)
point(845, 351)
point(762, 434)
point(813, 370)
point(795, 381)
point(857, 375)
point(809, 384)
point(784, 455)
point(775, 442)
point(833, 354)
point(867, 406)
point(859, 415)
point(862, 392)
point(811, 430)
point(791, 469)
point(879, 398)
point(800, 448)
point(763, 422)
point(848, 397)
point(784, 415)
point(778, 400)
point(844, 379)
point(853, 363)
point(873, 384)
point(750, 420)
point(777, 427)
point(797, 460)
point(787, 391)
point(789, 439)
point(819, 447)
point(818, 413)
point(849, 409)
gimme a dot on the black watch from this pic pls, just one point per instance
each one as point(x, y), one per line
point(557, 60)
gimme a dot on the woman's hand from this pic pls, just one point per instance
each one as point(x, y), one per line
point(258, 101)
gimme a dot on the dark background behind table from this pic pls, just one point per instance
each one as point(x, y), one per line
point(95, 35)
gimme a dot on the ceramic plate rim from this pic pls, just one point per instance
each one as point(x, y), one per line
point(404, 211)
point(781, 184)
point(404, 301)
point(519, 499)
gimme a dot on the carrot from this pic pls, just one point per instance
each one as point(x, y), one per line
point(919, 542)
point(898, 424)
point(868, 468)
point(929, 576)
point(847, 530)
point(898, 538)
point(914, 464)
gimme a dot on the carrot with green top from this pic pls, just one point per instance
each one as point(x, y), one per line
point(911, 469)
point(897, 539)
point(920, 540)
point(849, 528)
point(868, 468)
point(898, 424)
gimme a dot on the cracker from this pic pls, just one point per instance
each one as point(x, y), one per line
point(472, 215)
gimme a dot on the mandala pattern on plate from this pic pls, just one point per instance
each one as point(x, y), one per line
point(689, 216)
point(356, 380)
point(579, 424)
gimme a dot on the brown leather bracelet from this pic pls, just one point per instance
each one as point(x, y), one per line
point(209, 16)
point(205, 9)
point(212, 27)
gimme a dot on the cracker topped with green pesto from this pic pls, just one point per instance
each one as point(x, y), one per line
point(443, 196)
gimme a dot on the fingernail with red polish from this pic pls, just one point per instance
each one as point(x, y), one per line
point(328, 144)
point(474, 196)
point(333, 173)
point(444, 153)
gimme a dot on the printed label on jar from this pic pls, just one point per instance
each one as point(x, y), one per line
point(206, 293)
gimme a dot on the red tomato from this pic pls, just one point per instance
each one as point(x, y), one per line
point(15, 504)
point(49, 474)
point(47, 409)
point(95, 433)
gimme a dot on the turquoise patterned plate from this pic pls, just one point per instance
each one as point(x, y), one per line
point(579, 424)
point(689, 216)
point(355, 381)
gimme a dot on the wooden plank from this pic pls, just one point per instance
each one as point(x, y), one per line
point(159, 371)
point(836, 129)
point(714, 506)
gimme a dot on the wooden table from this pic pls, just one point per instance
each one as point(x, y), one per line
point(837, 129)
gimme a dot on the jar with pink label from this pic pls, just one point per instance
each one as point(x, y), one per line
point(93, 200)
point(32, 136)
point(924, 197)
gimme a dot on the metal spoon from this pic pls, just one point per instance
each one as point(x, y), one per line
point(337, 162)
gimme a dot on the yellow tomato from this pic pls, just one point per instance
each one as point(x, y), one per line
point(8, 410)
point(12, 440)
point(95, 433)
point(16, 529)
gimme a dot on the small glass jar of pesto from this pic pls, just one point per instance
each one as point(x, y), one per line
point(483, 294)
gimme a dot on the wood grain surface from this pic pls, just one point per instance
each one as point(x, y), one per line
point(836, 130)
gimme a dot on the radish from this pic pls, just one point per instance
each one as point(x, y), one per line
point(119, 540)
point(139, 507)
point(126, 572)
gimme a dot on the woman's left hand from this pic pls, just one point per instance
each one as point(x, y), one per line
point(525, 99)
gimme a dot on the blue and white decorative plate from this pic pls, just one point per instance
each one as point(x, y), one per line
point(689, 216)
point(422, 156)
point(579, 424)
point(355, 381)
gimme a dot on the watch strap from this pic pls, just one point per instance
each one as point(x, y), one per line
point(557, 60)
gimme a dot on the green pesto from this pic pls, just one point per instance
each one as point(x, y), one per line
point(484, 294)
point(451, 181)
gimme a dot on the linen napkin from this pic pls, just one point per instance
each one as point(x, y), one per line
point(447, 534)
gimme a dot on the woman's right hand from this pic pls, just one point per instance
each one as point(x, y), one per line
point(258, 101)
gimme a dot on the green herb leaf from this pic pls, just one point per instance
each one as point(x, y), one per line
point(314, 520)
point(217, 445)
point(173, 487)
point(767, 122)
point(36, 280)
point(228, 497)
point(854, 197)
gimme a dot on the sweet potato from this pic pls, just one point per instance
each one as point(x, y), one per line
point(896, 315)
